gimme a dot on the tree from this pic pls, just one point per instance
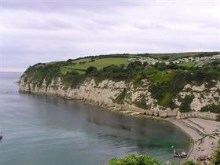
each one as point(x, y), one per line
point(91, 71)
point(161, 66)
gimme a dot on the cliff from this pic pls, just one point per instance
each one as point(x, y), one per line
point(124, 97)
point(135, 85)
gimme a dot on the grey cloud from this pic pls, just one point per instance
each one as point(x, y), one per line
point(42, 31)
point(59, 5)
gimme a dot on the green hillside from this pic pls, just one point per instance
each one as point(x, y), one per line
point(165, 76)
point(81, 64)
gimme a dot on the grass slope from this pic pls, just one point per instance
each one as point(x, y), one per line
point(82, 64)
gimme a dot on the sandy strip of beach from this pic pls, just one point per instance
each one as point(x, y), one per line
point(196, 128)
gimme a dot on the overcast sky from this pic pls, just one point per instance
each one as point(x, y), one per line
point(34, 31)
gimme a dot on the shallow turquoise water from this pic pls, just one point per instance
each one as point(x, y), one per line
point(41, 130)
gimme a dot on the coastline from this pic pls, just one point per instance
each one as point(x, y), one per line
point(193, 127)
point(196, 128)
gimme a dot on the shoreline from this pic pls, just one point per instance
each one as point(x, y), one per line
point(193, 127)
point(196, 128)
point(176, 123)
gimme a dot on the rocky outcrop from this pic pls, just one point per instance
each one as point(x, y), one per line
point(124, 97)
point(202, 95)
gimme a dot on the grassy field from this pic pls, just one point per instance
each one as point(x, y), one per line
point(82, 64)
point(188, 64)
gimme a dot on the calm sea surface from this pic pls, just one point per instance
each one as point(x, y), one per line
point(41, 130)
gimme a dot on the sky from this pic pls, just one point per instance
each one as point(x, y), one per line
point(33, 31)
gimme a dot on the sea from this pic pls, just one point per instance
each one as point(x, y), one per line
point(47, 130)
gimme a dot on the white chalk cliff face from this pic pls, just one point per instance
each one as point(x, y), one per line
point(107, 94)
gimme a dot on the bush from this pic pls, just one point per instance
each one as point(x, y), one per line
point(185, 106)
point(142, 103)
point(72, 79)
point(161, 66)
point(189, 162)
point(163, 93)
point(135, 160)
point(91, 71)
point(120, 98)
point(211, 108)
point(47, 73)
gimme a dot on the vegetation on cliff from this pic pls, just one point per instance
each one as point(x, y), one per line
point(167, 79)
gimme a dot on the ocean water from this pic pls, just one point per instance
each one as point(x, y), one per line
point(42, 130)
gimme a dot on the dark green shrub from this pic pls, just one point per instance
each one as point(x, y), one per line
point(72, 79)
point(142, 103)
point(211, 108)
point(120, 98)
point(91, 71)
point(114, 72)
point(185, 105)
point(135, 160)
point(161, 66)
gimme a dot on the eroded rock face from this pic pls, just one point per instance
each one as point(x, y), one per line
point(196, 104)
point(106, 92)
point(202, 96)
